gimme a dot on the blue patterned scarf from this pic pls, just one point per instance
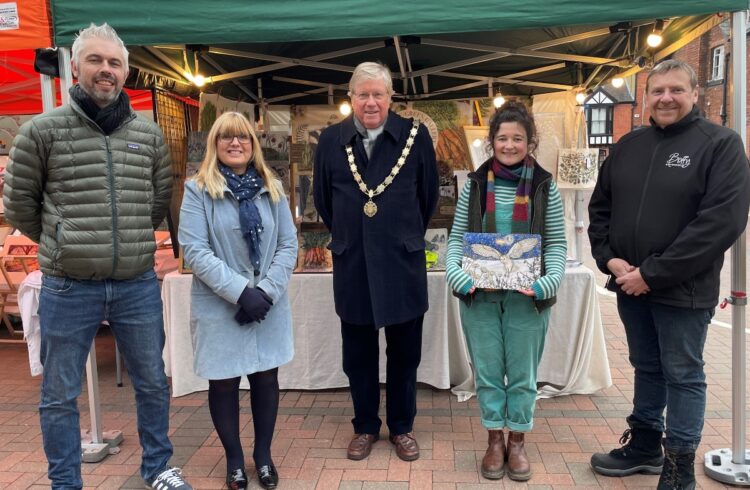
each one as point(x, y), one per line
point(245, 187)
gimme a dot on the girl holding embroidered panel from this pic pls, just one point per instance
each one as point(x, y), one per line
point(505, 329)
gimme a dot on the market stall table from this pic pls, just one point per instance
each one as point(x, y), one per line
point(575, 358)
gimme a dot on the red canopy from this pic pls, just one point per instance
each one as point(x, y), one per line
point(20, 87)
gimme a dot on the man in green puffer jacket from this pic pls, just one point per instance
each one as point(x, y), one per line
point(90, 181)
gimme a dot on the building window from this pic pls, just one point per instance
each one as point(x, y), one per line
point(599, 119)
point(717, 63)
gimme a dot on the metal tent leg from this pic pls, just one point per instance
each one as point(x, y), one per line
point(725, 465)
point(96, 444)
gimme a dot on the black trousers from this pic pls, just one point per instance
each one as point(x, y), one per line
point(361, 354)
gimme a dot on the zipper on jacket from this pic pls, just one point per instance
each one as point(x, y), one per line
point(115, 244)
point(643, 197)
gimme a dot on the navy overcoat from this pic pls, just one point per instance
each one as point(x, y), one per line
point(379, 272)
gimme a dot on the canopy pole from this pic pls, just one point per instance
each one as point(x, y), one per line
point(48, 92)
point(733, 465)
point(66, 77)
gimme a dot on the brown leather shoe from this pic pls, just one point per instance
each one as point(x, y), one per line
point(360, 446)
point(493, 463)
point(406, 446)
point(518, 467)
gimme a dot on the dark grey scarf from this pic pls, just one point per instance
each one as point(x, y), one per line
point(107, 118)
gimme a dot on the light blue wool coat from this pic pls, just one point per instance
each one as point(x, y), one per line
point(214, 248)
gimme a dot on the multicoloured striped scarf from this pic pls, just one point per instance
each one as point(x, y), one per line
point(520, 218)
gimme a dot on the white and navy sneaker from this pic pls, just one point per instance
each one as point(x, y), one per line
point(170, 479)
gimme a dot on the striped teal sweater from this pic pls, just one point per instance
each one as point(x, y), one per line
point(555, 248)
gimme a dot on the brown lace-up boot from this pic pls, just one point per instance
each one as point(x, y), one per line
point(493, 463)
point(518, 463)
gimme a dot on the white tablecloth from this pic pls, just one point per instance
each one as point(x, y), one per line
point(575, 358)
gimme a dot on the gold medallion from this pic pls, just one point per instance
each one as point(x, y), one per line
point(370, 208)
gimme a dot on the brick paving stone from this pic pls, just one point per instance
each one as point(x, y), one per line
point(314, 428)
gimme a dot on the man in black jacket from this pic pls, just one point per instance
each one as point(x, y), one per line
point(670, 200)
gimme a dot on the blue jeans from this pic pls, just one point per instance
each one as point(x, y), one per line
point(665, 344)
point(70, 314)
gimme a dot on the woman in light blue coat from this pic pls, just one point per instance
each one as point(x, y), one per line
point(238, 236)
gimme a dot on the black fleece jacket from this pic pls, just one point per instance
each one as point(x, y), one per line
point(671, 201)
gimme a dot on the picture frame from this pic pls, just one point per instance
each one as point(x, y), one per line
point(502, 262)
point(577, 168)
point(477, 144)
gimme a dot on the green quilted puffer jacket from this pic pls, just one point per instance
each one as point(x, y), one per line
point(91, 201)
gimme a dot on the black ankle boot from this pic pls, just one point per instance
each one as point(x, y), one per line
point(641, 453)
point(678, 472)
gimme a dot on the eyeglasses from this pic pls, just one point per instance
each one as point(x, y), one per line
point(228, 138)
point(365, 96)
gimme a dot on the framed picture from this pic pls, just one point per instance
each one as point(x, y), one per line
point(477, 144)
point(577, 168)
point(436, 248)
point(314, 255)
point(182, 266)
point(305, 202)
point(502, 262)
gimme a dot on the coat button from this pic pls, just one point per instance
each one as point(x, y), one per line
point(256, 272)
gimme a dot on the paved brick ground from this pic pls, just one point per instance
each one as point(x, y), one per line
point(314, 429)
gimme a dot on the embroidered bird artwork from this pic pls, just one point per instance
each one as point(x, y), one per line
point(497, 262)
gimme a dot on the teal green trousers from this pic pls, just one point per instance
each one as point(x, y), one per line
point(505, 336)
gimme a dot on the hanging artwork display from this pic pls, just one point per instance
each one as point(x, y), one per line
point(550, 130)
point(446, 118)
point(307, 124)
point(196, 151)
point(275, 148)
point(214, 105)
point(436, 248)
point(314, 255)
point(496, 262)
point(577, 168)
point(305, 201)
point(477, 143)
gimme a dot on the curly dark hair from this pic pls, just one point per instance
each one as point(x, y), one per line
point(516, 112)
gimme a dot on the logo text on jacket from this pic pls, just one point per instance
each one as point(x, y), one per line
point(675, 160)
point(133, 146)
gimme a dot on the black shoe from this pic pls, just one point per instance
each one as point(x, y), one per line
point(268, 476)
point(678, 472)
point(641, 453)
point(237, 479)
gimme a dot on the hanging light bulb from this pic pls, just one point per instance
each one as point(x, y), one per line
point(345, 108)
point(581, 97)
point(199, 80)
point(498, 101)
point(655, 39)
point(617, 82)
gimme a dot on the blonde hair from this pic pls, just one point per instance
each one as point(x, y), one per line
point(210, 177)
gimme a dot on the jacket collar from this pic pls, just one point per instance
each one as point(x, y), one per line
point(683, 123)
point(349, 130)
